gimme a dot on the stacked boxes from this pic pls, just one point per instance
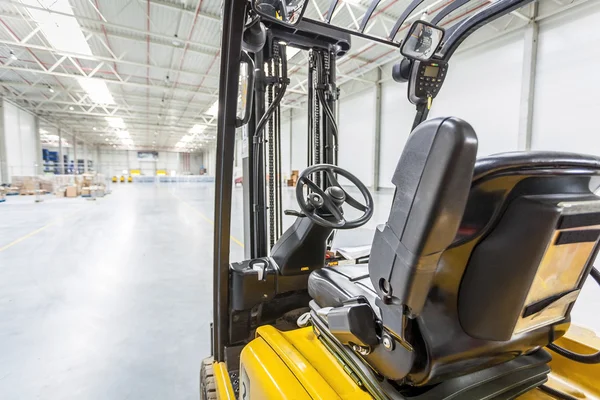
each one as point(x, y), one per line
point(294, 178)
point(60, 185)
point(28, 185)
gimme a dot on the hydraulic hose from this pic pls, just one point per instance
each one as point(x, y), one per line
point(259, 131)
point(328, 111)
point(580, 358)
point(280, 93)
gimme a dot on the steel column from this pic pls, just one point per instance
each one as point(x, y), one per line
point(528, 81)
point(75, 161)
point(4, 173)
point(38, 146)
point(377, 137)
point(60, 153)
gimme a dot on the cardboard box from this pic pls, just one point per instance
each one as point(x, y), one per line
point(71, 191)
point(60, 192)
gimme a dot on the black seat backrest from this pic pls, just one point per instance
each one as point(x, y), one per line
point(432, 182)
point(479, 263)
point(508, 281)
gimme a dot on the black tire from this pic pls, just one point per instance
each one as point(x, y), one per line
point(208, 387)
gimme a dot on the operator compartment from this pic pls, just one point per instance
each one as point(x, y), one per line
point(475, 271)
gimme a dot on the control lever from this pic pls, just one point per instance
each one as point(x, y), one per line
point(294, 213)
point(261, 268)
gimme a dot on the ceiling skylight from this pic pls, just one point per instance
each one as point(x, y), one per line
point(214, 109)
point(64, 34)
point(197, 129)
point(115, 122)
point(96, 90)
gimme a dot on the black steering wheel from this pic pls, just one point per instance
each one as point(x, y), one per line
point(319, 202)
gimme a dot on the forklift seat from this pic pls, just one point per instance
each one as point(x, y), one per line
point(479, 263)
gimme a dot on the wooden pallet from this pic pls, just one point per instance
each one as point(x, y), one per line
point(32, 192)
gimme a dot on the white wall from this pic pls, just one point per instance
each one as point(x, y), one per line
point(397, 116)
point(566, 81)
point(299, 139)
point(356, 134)
point(286, 144)
point(210, 159)
point(483, 87)
point(21, 141)
point(114, 162)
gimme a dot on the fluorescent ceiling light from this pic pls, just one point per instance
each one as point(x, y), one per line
point(214, 109)
point(123, 134)
point(197, 129)
point(97, 90)
point(43, 131)
point(63, 32)
point(115, 122)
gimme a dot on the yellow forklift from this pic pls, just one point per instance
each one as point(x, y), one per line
point(469, 286)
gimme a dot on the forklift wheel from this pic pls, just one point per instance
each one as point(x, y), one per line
point(208, 388)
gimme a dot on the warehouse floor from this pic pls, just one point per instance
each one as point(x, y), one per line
point(112, 299)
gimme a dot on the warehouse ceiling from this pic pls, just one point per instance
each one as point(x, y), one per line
point(144, 73)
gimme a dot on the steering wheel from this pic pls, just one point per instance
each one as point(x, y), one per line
point(330, 201)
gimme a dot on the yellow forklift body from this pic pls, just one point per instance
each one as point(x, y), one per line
point(293, 365)
point(296, 365)
point(222, 382)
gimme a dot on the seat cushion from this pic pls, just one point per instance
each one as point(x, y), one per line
point(331, 286)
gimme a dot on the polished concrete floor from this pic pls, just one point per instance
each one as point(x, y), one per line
point(112, 299)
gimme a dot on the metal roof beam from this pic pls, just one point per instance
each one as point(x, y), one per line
point(185, 9)
point(129, 107)
point(95, 22)
point(78, 91)
point(210, 93)
point(100, 58)
point(69, 113)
